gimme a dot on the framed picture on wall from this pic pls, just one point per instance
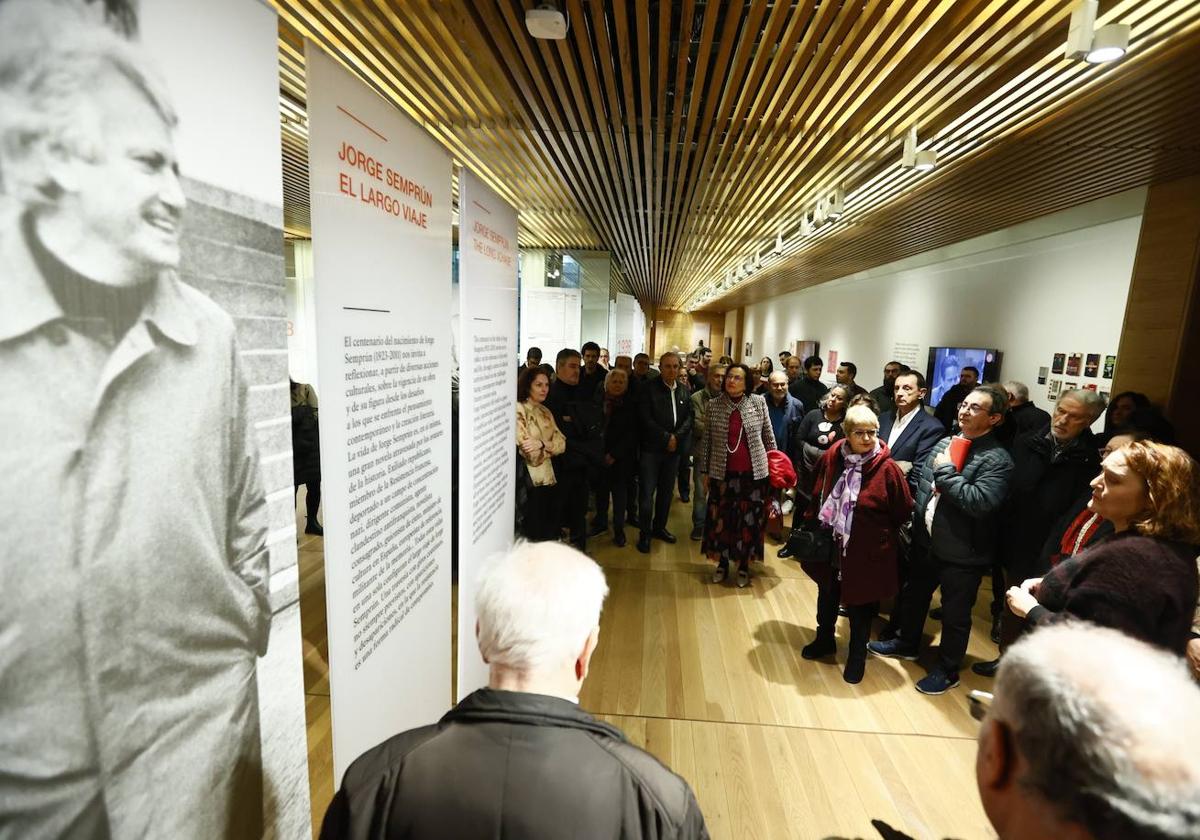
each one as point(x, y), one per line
point(1074, 364)
point(749, 349)
point(1110, 365)
point(1092, 366)
point(804, 349)
point(1060, 360)
point(1043, 372)
point(1054, 390)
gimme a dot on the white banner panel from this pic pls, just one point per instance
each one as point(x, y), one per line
point(487, 281)
point(381, 267)
point(550, 319)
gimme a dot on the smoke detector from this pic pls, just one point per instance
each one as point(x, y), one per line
point(546, 22)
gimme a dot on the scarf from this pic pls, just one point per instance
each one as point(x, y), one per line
point(838, 510)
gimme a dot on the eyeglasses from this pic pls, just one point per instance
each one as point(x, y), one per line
point(978, 703)
point(865, 434)
point(972, 408)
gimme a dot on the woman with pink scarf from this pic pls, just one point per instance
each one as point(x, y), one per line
point(862, 497)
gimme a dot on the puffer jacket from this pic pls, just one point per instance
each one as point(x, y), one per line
point(964, 522)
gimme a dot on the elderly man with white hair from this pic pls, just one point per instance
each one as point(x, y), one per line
point(519, 758)
point(1051, 469)
point(1091, 734)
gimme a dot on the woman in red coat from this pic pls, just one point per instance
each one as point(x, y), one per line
point(861, 495)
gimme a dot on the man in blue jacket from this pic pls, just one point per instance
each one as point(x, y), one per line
point(954, 537)
point(908, 430)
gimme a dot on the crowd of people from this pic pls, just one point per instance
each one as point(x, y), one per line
point(1091, 542)
point(894, 500)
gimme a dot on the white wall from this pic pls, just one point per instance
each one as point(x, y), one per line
point(1054, 285)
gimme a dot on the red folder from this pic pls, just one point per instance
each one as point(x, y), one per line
point(959, 447)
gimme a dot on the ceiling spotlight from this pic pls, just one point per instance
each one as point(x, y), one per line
point(837, 203)
point(758, 260)
point(547, 22)
point(1085, 41)
point(779, 242)
point(806, 227)
point(922, 160)
point(818, 215)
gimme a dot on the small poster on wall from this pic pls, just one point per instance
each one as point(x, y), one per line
point(749, 349)
point(1110, 365)
point(1055, 388)
point(1071, 386)
point(1074, 364)
point(832, 363)
point(1091, 386)
point(1043, 372)
point(1092, 366)
point(1060, 359)
point(1106, 394)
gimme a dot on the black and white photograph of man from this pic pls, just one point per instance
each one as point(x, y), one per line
point(134, 601)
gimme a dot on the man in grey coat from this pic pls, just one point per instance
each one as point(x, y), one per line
point(953, 537)
point(520, 758)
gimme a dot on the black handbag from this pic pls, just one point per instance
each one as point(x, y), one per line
point(812, 541)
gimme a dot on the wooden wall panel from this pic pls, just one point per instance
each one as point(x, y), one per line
point(1160, 339)
point(674, 328)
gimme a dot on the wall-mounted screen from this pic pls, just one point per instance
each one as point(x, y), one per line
point(946, 364)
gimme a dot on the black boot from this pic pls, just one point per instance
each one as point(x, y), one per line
point(861, 616)
point(314, 527)
point(824, 645)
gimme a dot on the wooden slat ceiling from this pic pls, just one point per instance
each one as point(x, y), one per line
point(687, 136)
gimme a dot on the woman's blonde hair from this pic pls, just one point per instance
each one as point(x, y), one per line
point(1173, 486)
point(859, 417)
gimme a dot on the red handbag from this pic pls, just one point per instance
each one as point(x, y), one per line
point(780, 470)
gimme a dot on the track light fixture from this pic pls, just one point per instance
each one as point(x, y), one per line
point(922, 160)
point(1085, 41)
point(779, 243)
point(837, 202)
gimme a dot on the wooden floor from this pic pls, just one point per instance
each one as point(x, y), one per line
point(710, 680)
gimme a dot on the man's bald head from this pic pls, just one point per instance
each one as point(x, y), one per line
point(1091, 727)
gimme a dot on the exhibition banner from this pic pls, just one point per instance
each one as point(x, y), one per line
point(150, 674)
point(487, 281)
point(551, 318)
point(380, 191)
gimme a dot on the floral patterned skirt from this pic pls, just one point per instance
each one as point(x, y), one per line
point(736, 519)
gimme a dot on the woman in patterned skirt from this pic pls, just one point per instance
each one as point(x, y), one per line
point(734, 458)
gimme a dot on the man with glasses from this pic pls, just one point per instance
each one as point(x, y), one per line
point(953, 537)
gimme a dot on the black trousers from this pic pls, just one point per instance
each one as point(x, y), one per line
point(860, 615)
point(998, 589)
point(611, 484)
point(960, 586)
point(312, 501)
point(657, 474)
point(573, 495)
point(541, 520)
point(685, 466)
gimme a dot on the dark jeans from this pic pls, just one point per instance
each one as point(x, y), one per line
point(657, 474)
point(999, 604)
point(861, 616)
point(611, 484)
point(541, 518)
point(960, 586)
point(312, 501)
point(573, 496)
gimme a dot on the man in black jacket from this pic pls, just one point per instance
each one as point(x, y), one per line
point(582, 424)
point(520, 758)
point(1052, 467)
point(665, 413)
point(953, 538)
point(807, 386)
point(947, 407)
point(1023, 414)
